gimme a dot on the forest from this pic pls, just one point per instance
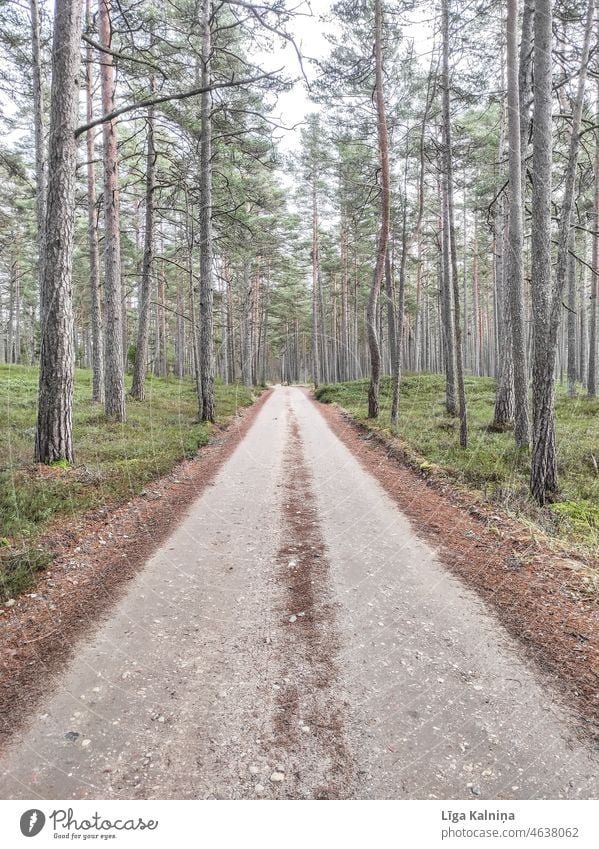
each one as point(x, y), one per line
point(429, 225)
point(299, 455)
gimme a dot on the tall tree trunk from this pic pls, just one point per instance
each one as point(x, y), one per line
point(504, 395)
point(547, 298)
point(583, 338)
point(206, 286)
point(97, 352)
point(391, 307)
point(344, 359)
point(54, 431)
point(572, 317)
point(38, 131)
point(138, 386)
point(457, 324)
point(592, 372)
point(383, 239)
point(542, 371)
point(114, 386)
point(446, 310)
point(514, 265)
point(400, 307)
point(180, 334)
point(316, 361)
point(248, 329)
point(324, 351)
point(195, 346)
point(161, 357)
point(230, 329)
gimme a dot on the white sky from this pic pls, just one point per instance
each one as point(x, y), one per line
point(309, 34)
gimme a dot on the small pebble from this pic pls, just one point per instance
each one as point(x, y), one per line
point(277, 777)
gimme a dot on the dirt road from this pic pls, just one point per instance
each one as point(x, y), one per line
point(294, 638)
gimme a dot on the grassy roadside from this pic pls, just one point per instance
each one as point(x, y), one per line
point(113, 461)
point(491, 465)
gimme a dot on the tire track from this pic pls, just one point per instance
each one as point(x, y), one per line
point(310, 711)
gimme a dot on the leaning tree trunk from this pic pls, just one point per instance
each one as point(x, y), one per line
point(97, 354)
point(54, 431)
point(114, 384)
point(208, 412)
point(383, 239)
point(138, 385)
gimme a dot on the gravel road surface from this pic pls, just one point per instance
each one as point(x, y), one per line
point(295, 638)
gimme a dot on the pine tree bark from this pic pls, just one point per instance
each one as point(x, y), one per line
point(145, 294)
point(114, 384)
point(453, 265)
point(592, 369)
point(248, 325)
point(54, 430)
point(38, 134)
point(572, 317)
point(97, 347)
point(391, 308)
point(383, 238)
point(345, 348)
point(504, 395)
point(324, 347)
point(583, 338)
point(547, 298)
point(208, 411)
point(180, 334)
point(542, 376)
point(230, 330)
point(514, 264)
point(316, 361)
point(399, 307)
point(446, 309)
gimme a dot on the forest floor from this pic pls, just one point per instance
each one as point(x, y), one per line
point(322, 623)
point(114, 461)
point(491, 465)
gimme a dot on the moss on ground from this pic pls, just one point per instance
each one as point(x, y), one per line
point(114, 461)
point(491, 464)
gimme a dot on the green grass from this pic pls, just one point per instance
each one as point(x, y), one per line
point(114, 461)
point(491, 464)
